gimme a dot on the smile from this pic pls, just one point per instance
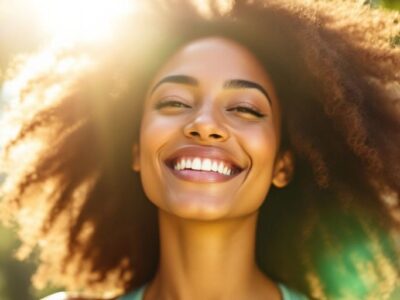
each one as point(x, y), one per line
point(202, 164)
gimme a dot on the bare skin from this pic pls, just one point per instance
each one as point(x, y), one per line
point(209, 261)
point(208, 220)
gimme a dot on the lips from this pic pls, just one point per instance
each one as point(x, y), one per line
point(203, 164)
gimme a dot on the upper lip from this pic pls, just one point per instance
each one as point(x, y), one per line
point(211, 152)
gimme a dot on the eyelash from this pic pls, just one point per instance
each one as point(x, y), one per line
point(241, 109)
point(250, 110)
point(171, 103)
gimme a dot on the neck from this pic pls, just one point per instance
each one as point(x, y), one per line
point(209, 260)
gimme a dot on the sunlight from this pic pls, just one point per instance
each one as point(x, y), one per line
point(81, 20)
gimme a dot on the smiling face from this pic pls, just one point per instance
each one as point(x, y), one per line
point(210, 132)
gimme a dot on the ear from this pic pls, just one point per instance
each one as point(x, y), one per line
point(284, 168)
point(135, 158)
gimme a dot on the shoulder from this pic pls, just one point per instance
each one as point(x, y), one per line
point(69, 296)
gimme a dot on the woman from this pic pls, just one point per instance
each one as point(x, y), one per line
point(236, 152)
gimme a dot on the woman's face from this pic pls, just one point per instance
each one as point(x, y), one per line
point(210, 132)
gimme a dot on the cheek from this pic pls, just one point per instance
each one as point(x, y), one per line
point(156, 131)
point(154, 134)
point(262, 149)
point(151, 135)
point(260, 144)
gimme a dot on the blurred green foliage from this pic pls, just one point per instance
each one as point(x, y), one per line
point(395, 5)
point(15, 283)
point(392, 4)
point(14, 275)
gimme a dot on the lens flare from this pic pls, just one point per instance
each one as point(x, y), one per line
point(81, 20)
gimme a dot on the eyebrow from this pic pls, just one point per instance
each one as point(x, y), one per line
point(182, 79)
point(229, 84)
point(246, 84)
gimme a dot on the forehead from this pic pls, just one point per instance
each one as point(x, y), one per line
point(215, 58)
point(212, 61)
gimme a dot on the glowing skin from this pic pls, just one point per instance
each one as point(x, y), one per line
point(208, 154)
point(206, 118)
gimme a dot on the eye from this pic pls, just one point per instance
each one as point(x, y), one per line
point(247, 111)
point(171, 105)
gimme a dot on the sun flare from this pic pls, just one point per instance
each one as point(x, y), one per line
point(81, 20)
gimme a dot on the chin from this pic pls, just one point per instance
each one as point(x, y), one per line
point(201, 208)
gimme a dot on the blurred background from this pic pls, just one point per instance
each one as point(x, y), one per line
point(25, 27)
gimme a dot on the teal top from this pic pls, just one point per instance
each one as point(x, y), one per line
point(287, 294)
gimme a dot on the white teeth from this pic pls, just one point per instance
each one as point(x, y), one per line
point(183, 164)
point(205, 164)
point(188, 164)
point(225, 171)
point(221, 168)
point(196, 164)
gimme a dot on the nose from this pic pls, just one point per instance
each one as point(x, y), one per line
point(206, 127)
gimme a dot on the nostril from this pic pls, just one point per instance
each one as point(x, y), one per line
point(212, 135)
point(215, 136)
point(194, 133)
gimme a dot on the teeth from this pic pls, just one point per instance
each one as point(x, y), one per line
point(225, 171)
point(221, 168)
point(196, 164)
point(205, 164)
point(188, 164)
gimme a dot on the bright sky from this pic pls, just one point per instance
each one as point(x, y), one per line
point(76, 20)
point(64, 21)
point(25, 25)
point(80, 19)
